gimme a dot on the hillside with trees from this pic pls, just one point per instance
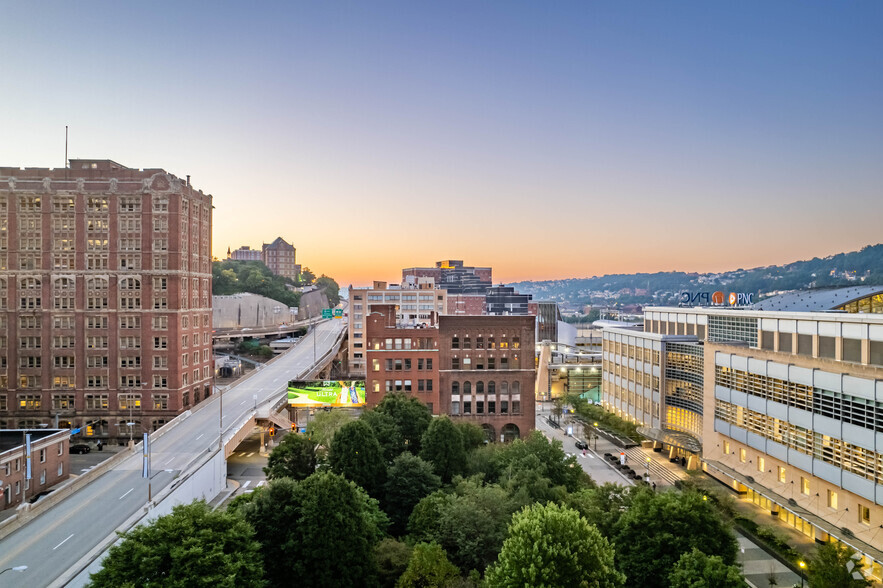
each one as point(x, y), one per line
point(231, 276)
point(864, 267)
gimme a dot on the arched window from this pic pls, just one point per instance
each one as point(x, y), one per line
point(479, 388)
point(491, 387)
point(516, 387)
point(504, 387)
point(467, 388)
point(30, 284)
point(130, 284)
point(455, 388)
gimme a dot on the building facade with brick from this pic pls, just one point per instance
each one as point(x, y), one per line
point(415, 305)
point(400, 359)
point(50, 463)
point(280, 257)
point(105, 297)
point(245, 253)
point(453, 276)
point(487, 372)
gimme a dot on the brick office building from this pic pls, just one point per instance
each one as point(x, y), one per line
point(105, 298)
point(280, 257)
point(487, 372)
point(477, 368)
point(400, 358)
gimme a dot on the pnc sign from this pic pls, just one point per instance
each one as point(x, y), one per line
point(716, 298)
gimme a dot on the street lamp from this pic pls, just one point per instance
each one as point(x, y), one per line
point(15, 569)
point(595, 424)
point(802, 565)
point(647, 465)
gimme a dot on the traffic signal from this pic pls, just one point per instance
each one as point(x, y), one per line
point(293, 427)
point(272, 431)
point(89, 431)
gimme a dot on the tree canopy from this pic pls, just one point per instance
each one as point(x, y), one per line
point(658, 528)
point(321, 531)
point(442, 446)
point(551, 545)
point(294, 457)
point(355, 453)
point(429, 567)
point(233, 276)
point(698, 570)
point(830, 568)
point(411, 416)
point(409, 479)
point(192, 546)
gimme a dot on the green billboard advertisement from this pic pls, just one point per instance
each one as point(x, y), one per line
point(326, 393)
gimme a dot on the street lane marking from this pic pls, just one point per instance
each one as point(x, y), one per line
point(247, 482)
point(126, 494)
point(200, 435)
point(168, 460)
point(249, 454)
point(241, 403)
point(62, 543)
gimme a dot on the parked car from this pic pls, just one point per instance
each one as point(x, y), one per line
point(580, 444)
point(80, 448)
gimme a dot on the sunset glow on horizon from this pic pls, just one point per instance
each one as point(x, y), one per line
point(546, 141)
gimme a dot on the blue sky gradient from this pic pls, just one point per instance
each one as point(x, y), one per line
point(545, 139)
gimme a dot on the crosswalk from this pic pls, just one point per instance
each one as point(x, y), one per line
point(243, 453)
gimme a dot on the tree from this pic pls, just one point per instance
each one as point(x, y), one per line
point(442, 445)
point(830, 568)
point(387, 432)
point(604, 505)
point(470, 523)
point(192, 546)
point(321, 531)
point(408, 480)
point(697, 570)
point(294, 457)
point(428, 568)
point(355, 453)
point(412, 418)
point(331, 289)
point(473, 435)
point(551, 545)
point(324, 425)
point(539, 455)
point(658, 528)
point(392, 560)
point(306, 276)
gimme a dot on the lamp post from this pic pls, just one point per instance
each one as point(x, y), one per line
point(647, 465)
point(595, 424)
point(15, 569)
point(802, 565)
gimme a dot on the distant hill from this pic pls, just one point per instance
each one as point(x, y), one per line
point(844, 269)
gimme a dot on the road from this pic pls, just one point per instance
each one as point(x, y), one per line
point(57, 539)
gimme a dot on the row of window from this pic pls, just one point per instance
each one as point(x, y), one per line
point(852, 458)
point(480, 388)
point(158, 322)
point(98, 361)
point(125, 342)
point(486, 343)
point(404, 386)
point(832, 499)
point(490, 363)
point(90, 401)
point(486, 407)
point(861, 412)
point(402, 364)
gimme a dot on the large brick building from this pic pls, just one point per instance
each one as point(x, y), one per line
point(105, 297)
point(280, 257)
point(476, 368)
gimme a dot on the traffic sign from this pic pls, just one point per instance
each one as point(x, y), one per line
point(338, 313)
point(326, 313)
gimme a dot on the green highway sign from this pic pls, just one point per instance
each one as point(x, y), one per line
point(326, 313)
point(338, 313)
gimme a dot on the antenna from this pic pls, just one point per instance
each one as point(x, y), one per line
point(65, 152)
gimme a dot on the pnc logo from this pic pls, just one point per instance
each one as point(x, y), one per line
point(732, 299)
point(718, 297)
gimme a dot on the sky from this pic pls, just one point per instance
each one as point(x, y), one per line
point(545, 139)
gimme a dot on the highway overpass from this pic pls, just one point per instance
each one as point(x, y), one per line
point(77, 525)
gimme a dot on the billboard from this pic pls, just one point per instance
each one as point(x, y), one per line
point(326, 393)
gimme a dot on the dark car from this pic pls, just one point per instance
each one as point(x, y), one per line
point(80, 448)
point(580, 444)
